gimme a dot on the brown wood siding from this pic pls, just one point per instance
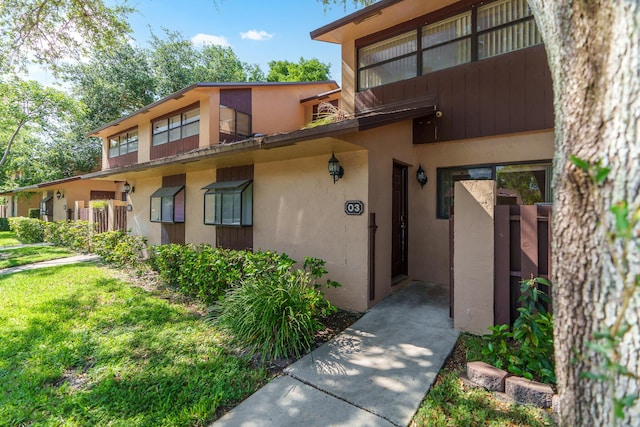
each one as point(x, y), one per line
point(239, 238)
point(124, 160)
point(238, 99)
point(176, 147)
point(173, 233)
point(504, 94)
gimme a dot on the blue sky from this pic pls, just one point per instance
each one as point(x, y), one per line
point(258, 31)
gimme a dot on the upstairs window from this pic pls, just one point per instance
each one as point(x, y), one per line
point(234, 123)
point(388, 61)
point(482, 31)
point(446, 43)
point(123, 143)
point(176, 127)
point(167, 205)
point(229, 203)
point(505, 26)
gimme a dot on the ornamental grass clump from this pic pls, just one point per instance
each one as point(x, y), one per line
point(276, 315)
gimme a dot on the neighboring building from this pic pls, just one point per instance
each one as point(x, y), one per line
point(436, 92)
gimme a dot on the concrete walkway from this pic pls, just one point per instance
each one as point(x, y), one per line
point(51, 263)
point(375, 373)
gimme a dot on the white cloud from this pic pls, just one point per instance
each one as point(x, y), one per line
point(256, 35)
point(208, 39)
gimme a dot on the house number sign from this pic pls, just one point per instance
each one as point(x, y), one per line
point(353, 207)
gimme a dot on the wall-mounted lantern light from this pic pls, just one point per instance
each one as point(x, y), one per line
point(335, 170)
point(128, 188)
point(59, 195)
point(421, 176)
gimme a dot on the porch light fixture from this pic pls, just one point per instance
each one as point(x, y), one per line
point(59, 195)
point(128, 188)
point(335, 170)
point(421, 176)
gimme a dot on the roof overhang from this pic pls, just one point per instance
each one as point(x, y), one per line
point(300, 143)
point(188, 96)
point(42, 185)
point(379, 16)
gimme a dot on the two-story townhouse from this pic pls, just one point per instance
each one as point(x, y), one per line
point(482, 66)
point(434, 92)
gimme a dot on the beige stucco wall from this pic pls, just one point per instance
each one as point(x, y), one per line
point(385, 145)
point(429, 236)
point(195, 230)
point(23, 202)
point(474, 255)
point(79, 191)
point(299, 210)
point(138, 217)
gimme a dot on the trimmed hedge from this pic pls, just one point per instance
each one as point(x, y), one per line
point(75, 235)
point(34, 213)
point(28, 230)
point(4, 224)
point(118, 247)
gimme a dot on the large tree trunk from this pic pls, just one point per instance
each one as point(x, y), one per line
point(593, 49)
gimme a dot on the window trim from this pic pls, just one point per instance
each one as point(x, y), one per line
point(48, 210)
point(126, 142)
point(419, 23)
point(167, 118)
point(230, 188)
point(493, 166)
point(235, 122)
point(169, 192)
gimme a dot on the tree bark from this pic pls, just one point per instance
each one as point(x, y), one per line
point(593, 49)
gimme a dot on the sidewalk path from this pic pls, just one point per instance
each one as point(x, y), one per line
point(375, 373)
point(52, 263)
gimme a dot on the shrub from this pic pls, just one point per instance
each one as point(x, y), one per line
point(28, 230)
point(4, 224)
point(34, 213)
point(75, 235)
point(199, 271)
point(527, 350)
point(276, 310)
point(118, 247)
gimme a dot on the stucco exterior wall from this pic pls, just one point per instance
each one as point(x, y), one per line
point(429, 236)
point(385, 145)
point(299, 210)
point(278, 109)
point(23, 202)
point(474, 255)
point(79, 191)
point(195, 230)
point(138, 217)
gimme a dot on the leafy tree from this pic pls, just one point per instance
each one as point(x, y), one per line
point(29, 104)
point(305, 70)
point(110, 84)
point(48, 31)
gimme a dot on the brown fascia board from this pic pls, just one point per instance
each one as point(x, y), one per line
point(42, 185)
point(354, 18)
point(321, 96)
point(181, 92)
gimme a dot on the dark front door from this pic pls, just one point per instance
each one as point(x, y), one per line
point(399, 222)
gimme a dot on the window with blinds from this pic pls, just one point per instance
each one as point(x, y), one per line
point(446, 43)
point(483, 31)
point(505, 26)
point(388, 61)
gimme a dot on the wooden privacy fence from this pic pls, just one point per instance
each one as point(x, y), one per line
point(102, 219)
point(522, 251)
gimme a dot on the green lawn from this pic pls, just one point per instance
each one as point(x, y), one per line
point(31, 254)
point(8, 238)
point(82, 348)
